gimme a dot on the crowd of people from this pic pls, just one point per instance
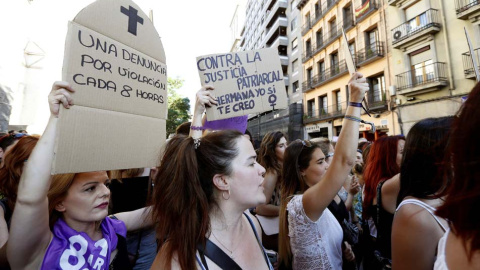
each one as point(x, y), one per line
point(215, 201)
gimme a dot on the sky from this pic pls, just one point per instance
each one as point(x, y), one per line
point(188, 29)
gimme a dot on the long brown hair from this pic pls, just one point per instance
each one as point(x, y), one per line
point(13, 167)
point(267, 156)
point(183, 192)
point(463, 193)
point(381, 165)
point(296, 158)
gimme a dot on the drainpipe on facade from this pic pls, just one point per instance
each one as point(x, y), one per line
point(389, 102)
point(445, 40)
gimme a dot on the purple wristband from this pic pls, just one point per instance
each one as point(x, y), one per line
point(196, 128)
point(355, 104)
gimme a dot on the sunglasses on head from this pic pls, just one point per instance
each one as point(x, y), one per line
point(305, 142)
point(20, 135)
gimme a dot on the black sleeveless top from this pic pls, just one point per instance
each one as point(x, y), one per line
point(383, 225)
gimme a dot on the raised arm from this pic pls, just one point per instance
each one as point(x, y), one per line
point(204, 98)
point(137, 219)
point(30, 233)
point(317, 197)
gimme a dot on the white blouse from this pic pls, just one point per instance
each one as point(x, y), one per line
point(441, 262)
point(314, 244)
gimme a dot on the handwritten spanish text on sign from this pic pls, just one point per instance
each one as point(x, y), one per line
point(245, 82)
point(101, 68)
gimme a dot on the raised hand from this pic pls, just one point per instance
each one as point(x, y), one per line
point(60, 94)
point(204, 98)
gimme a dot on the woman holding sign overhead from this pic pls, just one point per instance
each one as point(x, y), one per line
point(203, 190)
point(61, 222)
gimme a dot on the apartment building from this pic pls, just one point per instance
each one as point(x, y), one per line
point(325, 79)
point(267, 25)
point(431, 62)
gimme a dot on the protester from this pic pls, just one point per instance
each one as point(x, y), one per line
point(202, 190)
point(69, 228)
point(459, 248)
point(310, 236)
point(129, 191)
point(7, 142)
point(420, 184)
point(382, 184)
point(10, 177)
point(270, 156)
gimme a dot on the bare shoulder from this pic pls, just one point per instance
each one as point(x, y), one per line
point(258, 228)
point(392, 185)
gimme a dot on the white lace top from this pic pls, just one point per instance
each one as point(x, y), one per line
point(441, 262)
point(314, 244)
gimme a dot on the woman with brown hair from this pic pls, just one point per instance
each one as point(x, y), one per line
point(459, 248)
point(65, 216)
point(10, 173)
point(203, 190)
point(310, 236)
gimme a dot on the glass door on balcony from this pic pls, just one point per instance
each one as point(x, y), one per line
point(322, 102)
point(335, 69)
point(423, 72)
point(338, 99)
point(333, 27)
point(321, 71)
point(319, 38)
point(351, 48)
point(347, 16)
point(378, 88)
point(308, 48)
point(417, 22)
point(309, 76)
point(371, 41)
point(311, 107)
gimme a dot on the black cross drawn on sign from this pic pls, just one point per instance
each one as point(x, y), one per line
point(133, 19)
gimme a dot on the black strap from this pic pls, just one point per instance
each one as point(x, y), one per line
point(217, 256)
point(379, 202)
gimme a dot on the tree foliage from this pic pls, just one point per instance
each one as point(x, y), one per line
point(178, 106)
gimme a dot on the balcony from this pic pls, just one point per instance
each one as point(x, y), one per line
point(468, 64)
point(363, 11)
point(307, 86)
point(370, 53)
point(428, 78)
point(334, 34)
point(330, 112)
point(377, 101)
point(394, 2)
point(318, 15)
point(413, 31)
point(308, 53)
point(330, 74)
point(328, 4)
point(466, 8)
point(306, 27)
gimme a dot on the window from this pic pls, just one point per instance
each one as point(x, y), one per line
point(423, 72)
point(309, 76)
point(311, 107)
point(351, 48)
point(295, 86)
point(338, 100)
point(371, 39)
point(307, 19)
point(333, 27)
point(347, 16)
point(321, 70)
point(377, 86)
point(334, 60)
point(318, 9)
point(308, 48)
point(322, 102)
point(319, 38)
point(294, 65)
point(293, 24)
point(294, 44)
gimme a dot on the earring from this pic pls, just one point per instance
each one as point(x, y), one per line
point(226, 192)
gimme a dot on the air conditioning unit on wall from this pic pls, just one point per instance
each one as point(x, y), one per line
point(397, 35)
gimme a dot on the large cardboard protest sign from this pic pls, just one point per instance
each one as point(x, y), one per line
point(115, 61)
point(245, 82)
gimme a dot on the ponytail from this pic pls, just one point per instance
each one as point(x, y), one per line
point(180, 206)
point(184, 192)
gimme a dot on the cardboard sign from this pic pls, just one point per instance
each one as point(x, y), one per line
point(245, 82)
point(238, 123)
point(115, 61)
point(348, 55)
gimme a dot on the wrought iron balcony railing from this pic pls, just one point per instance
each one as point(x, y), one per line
point(434, 72)
point(369, 53)
point(427, 19)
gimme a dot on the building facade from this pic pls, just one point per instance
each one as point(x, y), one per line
point(325, 80)
point(431, 63)
point(267, 25)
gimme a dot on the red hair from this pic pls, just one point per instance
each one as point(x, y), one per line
point(13, 167)
point(381, 165)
